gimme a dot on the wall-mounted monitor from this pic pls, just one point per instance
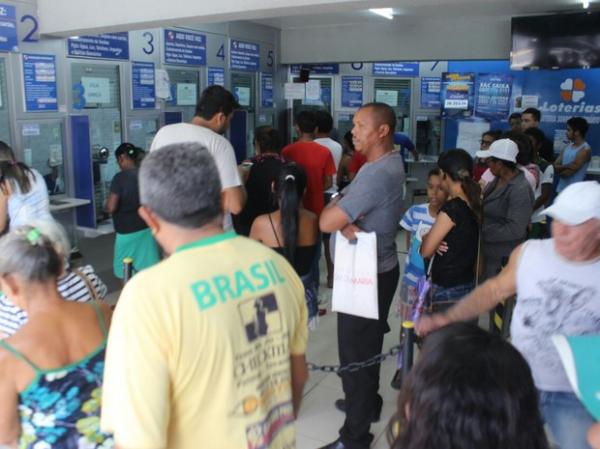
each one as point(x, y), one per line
point(556, 41)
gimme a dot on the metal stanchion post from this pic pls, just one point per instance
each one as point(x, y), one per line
point(408, 343)
point(127, 269)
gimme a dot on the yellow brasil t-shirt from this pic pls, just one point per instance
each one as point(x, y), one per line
point(199, 350)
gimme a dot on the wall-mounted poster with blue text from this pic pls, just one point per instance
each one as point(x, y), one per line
point(316, 69)
point(103, 46)
point(216, 76)
point(143, 90)
point(352, 91)
point(396, 68)
point(266, 91)
point(244, 56)
point(492, 96)
point(457, 94)
point(39, 81)
point(8, 28)
point(431, 86)
point(184, 47)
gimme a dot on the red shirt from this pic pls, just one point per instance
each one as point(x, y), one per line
point(358, 160)
point(317, 162)
point(478, 171)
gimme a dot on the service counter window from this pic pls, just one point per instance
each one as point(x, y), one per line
point(142, 131)
point(324, 101)
point(97, 93)
point(4, 110)
point(43, 150)
point(185, 89)
point(243, 86)
point(397, 93)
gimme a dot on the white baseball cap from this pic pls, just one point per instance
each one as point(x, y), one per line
point(578, 203)
point(504, 149)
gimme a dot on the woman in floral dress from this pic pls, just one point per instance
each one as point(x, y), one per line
point(51, 369)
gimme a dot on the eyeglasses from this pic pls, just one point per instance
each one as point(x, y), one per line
point(485, 143)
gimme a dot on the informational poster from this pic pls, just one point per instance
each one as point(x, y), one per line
point(469, 135)
point(492, 96)
point(313, 90)
point(184, 47)
point(396, 68)
point(216, 76)
point(103, 46)
point(457, 94)
point(186, 94)
point(30, 129)
point(316, 69)
point(389, 97)
point(243, 95)
point(162, 84)
point(143, 91)
point(431, 87)
point(96, 90)
point(266, 91)
point(8, 28)
point(352, 91)
point(244, 56)
point(39, 81)
point(293, 91)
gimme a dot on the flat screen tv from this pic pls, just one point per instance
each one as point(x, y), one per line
point(556, 41)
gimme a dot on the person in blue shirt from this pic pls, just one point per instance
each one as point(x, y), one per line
point(406, 145)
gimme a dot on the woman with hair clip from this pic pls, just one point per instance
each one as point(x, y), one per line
point(51, 370)
point(259, 178)
point(453, 240)
point(134, 239)
point(23, 192)
point(468, 390)
point(292, 230)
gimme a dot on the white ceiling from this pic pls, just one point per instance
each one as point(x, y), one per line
point(489, 9)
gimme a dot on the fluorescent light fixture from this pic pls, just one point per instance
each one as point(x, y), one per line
point(586, 4)
point(388, 13)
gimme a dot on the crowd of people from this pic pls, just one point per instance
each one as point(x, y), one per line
point(206, 347)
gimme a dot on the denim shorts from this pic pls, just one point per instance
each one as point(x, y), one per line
point(566, 417)
point(450, 294)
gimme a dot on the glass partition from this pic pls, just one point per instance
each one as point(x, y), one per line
point(43, 151)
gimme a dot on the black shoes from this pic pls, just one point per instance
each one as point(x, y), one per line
point(340, 404)
point(337, 444)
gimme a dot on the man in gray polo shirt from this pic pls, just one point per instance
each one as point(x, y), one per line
point(371, 203)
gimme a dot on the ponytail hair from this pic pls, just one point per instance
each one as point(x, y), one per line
point(130, 151)
point(289, 189)
point(458, 165)
point(17, 174)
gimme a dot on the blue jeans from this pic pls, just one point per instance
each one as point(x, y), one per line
point(314, 269)
point(567, 419)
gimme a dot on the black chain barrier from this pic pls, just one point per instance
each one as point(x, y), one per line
point(355, 366)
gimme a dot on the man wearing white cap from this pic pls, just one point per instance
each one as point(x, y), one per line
point(507, 205)
point(558, 292)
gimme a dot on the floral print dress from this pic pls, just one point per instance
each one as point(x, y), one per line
point(60, 409)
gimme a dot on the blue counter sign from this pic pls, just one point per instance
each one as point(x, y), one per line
point(352, 91)
point(8, 28)
point(39, 80)
point(103, 46)
point(184, 48)
point(244, 56)
point(143, 90)
point(216, 76)
point(267, 90)
point(316, 69)
point(396, 68)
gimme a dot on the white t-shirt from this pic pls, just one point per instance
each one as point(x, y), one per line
point(547, 177)
point(336, 153)
point(33, 205)
point(217, 145)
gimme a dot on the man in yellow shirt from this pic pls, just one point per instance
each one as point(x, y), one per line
point(206, 349)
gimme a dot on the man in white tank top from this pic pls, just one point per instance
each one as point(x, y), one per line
point(557, 283)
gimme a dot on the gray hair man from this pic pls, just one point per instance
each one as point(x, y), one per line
point(556, 284)
point(207, 347)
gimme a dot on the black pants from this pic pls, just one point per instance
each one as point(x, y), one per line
point(360, 339)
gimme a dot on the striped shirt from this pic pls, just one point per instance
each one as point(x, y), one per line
point(71, 287)
point(418, 222)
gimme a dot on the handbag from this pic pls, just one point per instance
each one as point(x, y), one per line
point(92, 290)
point(355, 276)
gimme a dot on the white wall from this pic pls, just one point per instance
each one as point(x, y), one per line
point(414, 38)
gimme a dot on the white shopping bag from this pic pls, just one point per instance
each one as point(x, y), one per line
point(355, 276)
